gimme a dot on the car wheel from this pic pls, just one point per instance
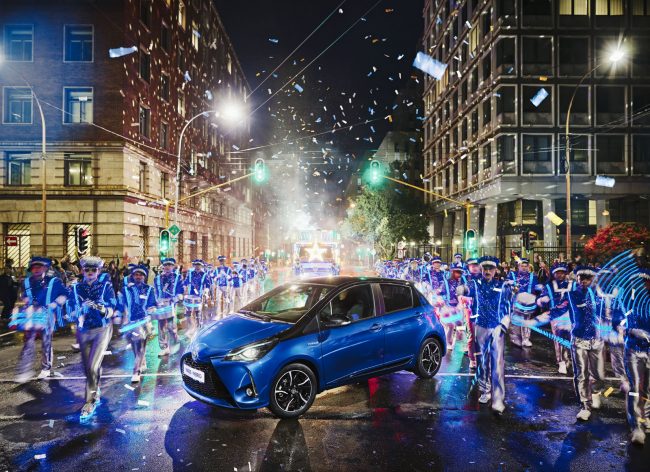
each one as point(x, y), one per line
point(429, 359)
point(293, 391)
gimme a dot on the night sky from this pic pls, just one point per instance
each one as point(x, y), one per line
point(353, 82)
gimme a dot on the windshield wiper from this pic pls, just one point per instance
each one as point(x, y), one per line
point(255, 315)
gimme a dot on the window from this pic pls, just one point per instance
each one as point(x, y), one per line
point(396, 297)
point(164, 87)
point(531, 212)
point(164, 184)
point(181, 14)
point(505, 56)
point(641, 106)
point(17, 105)
point(536, 153)
point(195, 36)
point(609, 7)
point(537, 13)
point(610, 105)
point(537, 56)
point(641, 8)
point(78, 169)
point(351, 305)
point(142, 177)
point(573, 55)
point(641, 154)
point(180, 59)
point(145, 13)
point(505, 7)
point(580, 107)
point(165, 38)
point(19, 43)
point(145, 121)
point(537, 110)
point(506, 98)
point(610, 154)
point(163, 137)
point(487, 156)
point(78, 104)
point(506, 153)
point(145, 65)
point(574, 7)
point(474, 163)
point(486, 112)
point(78, 43)
point(578, 154)
point(19, 168)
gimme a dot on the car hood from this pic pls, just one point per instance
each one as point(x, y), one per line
point(231, 332)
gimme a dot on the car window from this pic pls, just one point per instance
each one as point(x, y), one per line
point(396, 297)
point(352, 305)
point(288, 303)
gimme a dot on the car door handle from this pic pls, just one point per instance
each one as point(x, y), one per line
point(376, 327)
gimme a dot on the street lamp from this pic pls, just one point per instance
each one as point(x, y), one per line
point(43, 157)
point(232, 112)
point(615, 56)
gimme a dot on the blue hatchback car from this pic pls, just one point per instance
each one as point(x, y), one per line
point(302, 338)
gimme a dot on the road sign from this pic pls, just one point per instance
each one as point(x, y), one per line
point(174, 230)
point(11, 241)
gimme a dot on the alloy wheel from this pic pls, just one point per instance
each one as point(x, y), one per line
point(293, 390)
point(431, 357)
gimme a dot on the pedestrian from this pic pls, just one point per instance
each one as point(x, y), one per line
point(8, 291)
point(637, 363)
point(92, 304)
point(169, 291)
point(136, 303)
point(470, 309)
point(43, 296)
point(543, 274)
point(493, 299)
point(587, 346)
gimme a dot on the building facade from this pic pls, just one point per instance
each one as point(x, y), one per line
point(494, 129)
point(112, 126)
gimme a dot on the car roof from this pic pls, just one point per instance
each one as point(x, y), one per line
point(343, 280)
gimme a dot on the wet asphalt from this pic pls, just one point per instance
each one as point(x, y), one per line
point(395, 422)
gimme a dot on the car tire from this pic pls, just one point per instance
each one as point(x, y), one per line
point(429, 358)
point(292, 391)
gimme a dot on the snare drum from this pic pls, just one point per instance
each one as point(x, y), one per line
point(525, 303)
point(192, 302)
point(450, 315)
point(30, 319)
point(164, 310)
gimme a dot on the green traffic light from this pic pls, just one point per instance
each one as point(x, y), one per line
point(375, 172)
point(259, 171)
point(470, 241)
point(163, 242)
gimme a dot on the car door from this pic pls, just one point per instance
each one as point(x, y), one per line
point(403, 319)
point(356, 345)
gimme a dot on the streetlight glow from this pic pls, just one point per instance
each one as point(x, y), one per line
point(233, 112)
point(617, 55)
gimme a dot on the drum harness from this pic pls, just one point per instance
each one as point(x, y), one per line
point(80, 301)
point(48, 299)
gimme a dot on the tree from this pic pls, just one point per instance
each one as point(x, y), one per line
point(614, 239)
point(381, 218)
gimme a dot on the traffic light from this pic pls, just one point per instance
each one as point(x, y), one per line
point(83, 243)
point(259, 171)
point(164, 243)
point(375, 172)
point(471, 242)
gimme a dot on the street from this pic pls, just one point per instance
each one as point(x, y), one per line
point(394, 422)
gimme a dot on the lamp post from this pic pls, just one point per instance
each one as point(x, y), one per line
point(232, 112)
point(615, 56)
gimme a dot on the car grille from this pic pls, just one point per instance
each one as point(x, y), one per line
point(213, 386)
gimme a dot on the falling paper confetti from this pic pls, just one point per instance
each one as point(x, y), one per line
point(119, 52)
point(298, 87)
point(539, 97)
point(274, 41)
point(428, 64)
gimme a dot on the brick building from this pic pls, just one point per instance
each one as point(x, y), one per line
point(486, 141)
point(112, 128)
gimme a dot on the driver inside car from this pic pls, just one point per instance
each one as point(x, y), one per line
point(347, 308)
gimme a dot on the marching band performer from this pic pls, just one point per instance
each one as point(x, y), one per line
point(92, 304)
point(169, 290)
point(587, 345)
point(251, 276)
point(450, 296)
point(223, 284)
point(236, 290)
point(637, 365)
point(458, 262)
point(554, 303)
point(437, 277)
point(43, 295)
point(492, 298)
point(243, 275)
point(525, 283)
point(197, 286)
point(137, 303)
point(474, 274)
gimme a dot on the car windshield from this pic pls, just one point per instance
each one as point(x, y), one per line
point(287, 303)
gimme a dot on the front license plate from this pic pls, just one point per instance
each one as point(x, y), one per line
point(193, 373)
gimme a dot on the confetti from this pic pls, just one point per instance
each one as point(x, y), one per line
point(603, 181)
point(119, 52)
point(608, 392)
point(274, 41)
point(539, 97)
point(428, 64)
point(128, 387)
point(40, 456)
point(121, 431)
point(143, 403)
point(298, 88)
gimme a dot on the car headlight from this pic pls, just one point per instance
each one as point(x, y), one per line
point(251, 352)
